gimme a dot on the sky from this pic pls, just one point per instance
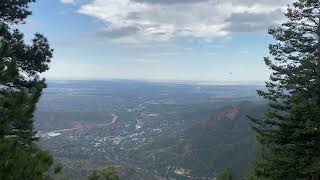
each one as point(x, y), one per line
point(176, 40)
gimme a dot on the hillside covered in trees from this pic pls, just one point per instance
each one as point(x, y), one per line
point(124, 129)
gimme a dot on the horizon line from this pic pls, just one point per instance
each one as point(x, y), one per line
point(177, 81)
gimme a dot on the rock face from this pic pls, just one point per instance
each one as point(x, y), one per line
point(225, 140)
point(229, 113)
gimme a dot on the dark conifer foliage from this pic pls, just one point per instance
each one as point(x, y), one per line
point(226, 175)
point(108, 173)
point(21, 85)
point(290, 132)
point(14, 11)
point(20, 89)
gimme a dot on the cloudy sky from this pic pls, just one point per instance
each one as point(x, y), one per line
point(200, 40)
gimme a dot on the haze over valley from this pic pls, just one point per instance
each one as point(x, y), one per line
point(159, 130)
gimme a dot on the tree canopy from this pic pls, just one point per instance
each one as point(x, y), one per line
point(226, 175)
point(20, 89)
point(108, 173)
point(290, 132)
point(14, 11)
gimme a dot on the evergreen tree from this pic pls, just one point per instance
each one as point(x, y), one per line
point(290, 132)
point(20, 89)
point(108, 173)
point(226, 175)
point(16, 163)
point(14, 11)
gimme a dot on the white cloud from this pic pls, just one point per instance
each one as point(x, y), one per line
point(212, 53)
point(143, 21)
point(147, 61)
point(160, 54)
point(68, 1)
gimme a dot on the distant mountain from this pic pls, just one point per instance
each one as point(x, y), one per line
point(225, 140)
point(148, 130)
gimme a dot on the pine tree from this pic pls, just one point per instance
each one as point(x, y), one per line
point(108, 173)
point(14, 11)
point(20, 89)
point(20, 84)
point(290, 132)
point(226, 175)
